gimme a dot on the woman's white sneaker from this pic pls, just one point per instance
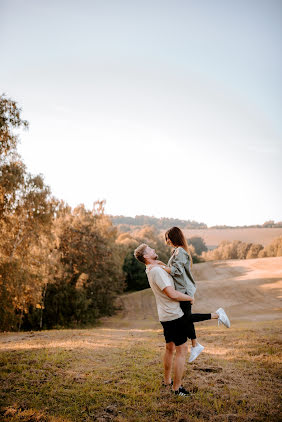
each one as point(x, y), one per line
point(195, 351)
point(222, 317)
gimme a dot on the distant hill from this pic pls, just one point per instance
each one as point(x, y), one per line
point(126, 224)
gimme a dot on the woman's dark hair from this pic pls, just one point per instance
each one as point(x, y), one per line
point(176, 236)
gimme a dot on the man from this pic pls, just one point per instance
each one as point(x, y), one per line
point(170, 315)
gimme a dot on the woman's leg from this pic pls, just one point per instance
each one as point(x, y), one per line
point(191, 333)
point(200, 317)
point(203, 317)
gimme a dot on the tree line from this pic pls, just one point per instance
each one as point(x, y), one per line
point(270, 224)
point(59, 267)
point(243, 250)
point(126, 224)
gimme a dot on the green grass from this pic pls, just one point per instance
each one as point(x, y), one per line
point(109, 374)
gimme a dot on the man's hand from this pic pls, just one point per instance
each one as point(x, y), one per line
point(178, 296)
point(192, 301)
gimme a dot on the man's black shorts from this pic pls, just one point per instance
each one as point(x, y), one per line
point(175, 331)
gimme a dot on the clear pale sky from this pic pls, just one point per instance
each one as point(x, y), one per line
point(164, 108)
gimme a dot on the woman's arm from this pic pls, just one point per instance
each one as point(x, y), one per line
point(178, 262)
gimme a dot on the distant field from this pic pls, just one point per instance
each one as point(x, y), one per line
point(213, 237)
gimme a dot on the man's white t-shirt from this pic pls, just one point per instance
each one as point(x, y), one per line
point(159, 279)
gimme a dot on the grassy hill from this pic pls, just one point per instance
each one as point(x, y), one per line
point(113, 372)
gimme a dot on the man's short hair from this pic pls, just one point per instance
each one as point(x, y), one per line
point(139, 252)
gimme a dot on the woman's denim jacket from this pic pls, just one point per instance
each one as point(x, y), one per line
point(179, 264)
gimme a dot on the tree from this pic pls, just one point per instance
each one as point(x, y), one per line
point(254, 251)
point(10, 118)
point(198, 243)
point(233, 250)
point(26, 211)
point(243, 249)
point(136, 278)
point(92, 268)
point(274, 248)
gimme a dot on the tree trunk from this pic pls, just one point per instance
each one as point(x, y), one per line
point(42, 306)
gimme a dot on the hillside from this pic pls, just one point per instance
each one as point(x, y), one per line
point(248, 290)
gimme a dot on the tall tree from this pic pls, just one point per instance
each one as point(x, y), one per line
point(92, 268)
point(26, 211)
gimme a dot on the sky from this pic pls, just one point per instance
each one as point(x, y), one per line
point(162, 108)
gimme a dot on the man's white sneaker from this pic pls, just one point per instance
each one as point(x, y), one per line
point(195, 351)
point(222, 317)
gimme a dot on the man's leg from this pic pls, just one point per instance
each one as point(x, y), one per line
point(168, 357)
point(179, 363)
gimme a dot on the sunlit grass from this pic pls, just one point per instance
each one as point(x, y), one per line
point(116, 374)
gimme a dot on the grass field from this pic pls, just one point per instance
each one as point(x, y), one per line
point(113, 372)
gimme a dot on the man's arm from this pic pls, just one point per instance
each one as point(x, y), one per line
point(178, 296)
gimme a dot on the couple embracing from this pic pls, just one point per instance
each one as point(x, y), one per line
point(174, 287)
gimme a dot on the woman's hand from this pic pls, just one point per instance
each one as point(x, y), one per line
point(192, 301)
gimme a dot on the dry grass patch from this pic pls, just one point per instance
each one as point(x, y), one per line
point(116, 375)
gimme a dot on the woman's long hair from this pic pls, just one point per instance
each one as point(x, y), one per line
point(177, 238)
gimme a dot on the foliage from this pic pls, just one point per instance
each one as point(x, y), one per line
point(267, 224)
point(241, 250)
point(26, 213)
point(273, 249)
point(127, 224)
point(92, 261)
point(198, 243)
point(136, 278)
point(10, 118)
point(58, 266)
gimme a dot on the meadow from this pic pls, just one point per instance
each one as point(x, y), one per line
point(113, 372)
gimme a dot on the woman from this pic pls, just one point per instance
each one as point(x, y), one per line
point(179, 267)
